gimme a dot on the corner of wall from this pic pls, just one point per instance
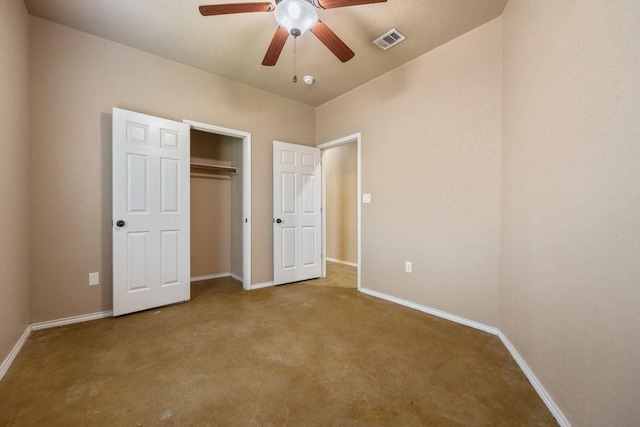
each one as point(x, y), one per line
point(14, 171)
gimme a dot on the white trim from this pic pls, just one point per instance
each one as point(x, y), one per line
point(537, 385)
point(246, 190)
point(236, 277)
point(70, 320)
point(323, 221)
point(205, 127)
point(350, 264)
point(357, 138)
point(6, 363)
point(210, 277)
point(262, 285)
point(340, 141)
point(246, 212)
point(433, 311)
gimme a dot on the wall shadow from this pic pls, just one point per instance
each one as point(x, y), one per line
point(106, 190)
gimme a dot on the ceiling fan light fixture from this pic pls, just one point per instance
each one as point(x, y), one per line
point(297, 16)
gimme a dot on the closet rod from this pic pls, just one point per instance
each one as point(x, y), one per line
point(204, 168)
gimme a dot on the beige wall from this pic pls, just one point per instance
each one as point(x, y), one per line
point(340, 165)
point(216, 207)
point(75, 81)
point(210, 208)
point(560, 195)
point(431, 161)
point(210, 226)
point(570, 282)
point(14, 173)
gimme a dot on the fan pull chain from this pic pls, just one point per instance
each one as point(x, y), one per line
point(295, 73)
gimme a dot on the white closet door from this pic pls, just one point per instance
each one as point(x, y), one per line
point(296, 212)
point(150, 212)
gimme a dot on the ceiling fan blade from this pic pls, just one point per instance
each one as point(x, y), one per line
point(330, 4)
point(277, 43)
point(225, 9)
point(332, 41)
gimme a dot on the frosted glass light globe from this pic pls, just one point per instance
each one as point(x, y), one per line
point(297, 16)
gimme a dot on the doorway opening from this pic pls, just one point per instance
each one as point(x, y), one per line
point(220, 199)
point(342, 211)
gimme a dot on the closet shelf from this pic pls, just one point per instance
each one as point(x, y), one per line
point(210, 169)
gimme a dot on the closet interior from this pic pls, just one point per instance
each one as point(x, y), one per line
point(216, 206)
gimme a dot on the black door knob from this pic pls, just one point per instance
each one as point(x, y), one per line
point(120, 223)
point(279, 221)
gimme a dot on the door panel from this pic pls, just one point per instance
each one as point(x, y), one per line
point(288, 247)
point(170, 185)
point(170, 256)
point(137, 183)
point(309, 245)
point(151, 196)
point(138, 265)
point(296, 202)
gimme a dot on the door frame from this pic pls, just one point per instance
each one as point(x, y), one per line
point(349, 139)
point(246, 190)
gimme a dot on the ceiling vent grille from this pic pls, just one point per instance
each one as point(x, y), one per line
point(390, 39)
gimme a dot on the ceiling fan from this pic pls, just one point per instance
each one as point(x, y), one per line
point(294, 17)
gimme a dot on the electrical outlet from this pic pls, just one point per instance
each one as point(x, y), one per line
point(94, 279)
point(408, 267)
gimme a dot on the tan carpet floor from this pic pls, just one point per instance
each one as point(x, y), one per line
point(339, 276)
point(292, 355)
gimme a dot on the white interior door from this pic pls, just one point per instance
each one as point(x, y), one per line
point(296, 213)
point(151, 264)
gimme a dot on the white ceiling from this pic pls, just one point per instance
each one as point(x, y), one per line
point(233, 46)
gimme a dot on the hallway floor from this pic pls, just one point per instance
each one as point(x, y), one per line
point(338, 276)
point(290, 355)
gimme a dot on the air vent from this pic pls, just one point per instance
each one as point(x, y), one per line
point(389, 39)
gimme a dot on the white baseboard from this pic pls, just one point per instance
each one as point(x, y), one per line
point(6, 363)
point(44, 325)
point(236, 277)
point(537, 385)
point(351, 264)
point(261, 285)
point(210, 276)
point(433, 311)
point(71, 320)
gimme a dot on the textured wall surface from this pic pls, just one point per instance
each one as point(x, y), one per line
point(75, 80)
point(570, 265)
point(504, 164)
point(340, 165)
point(210, 226)
point(212, 199)
point(14, 173)
point(431, 161)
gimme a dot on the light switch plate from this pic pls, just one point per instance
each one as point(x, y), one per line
point(94, 279)
point(408, 267)
point(366, 198)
